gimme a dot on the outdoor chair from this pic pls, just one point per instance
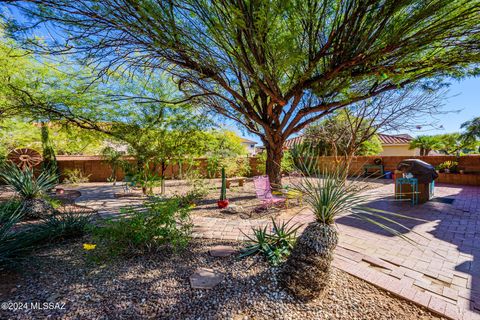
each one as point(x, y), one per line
point(128, 184)
point(264, 192)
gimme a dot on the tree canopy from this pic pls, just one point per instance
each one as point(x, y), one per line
point(343, 135)
point(272, 66)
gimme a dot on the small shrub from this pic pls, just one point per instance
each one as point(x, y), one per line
point(64, 226)
point(235, 167)
point(163, 223)
point(275, 246)
point(15, 244)
point(199, 192)
point(75, 176)
point(287, 164)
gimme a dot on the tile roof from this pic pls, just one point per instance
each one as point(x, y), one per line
point(385, 139)
point(293, 141)
point(395, 139)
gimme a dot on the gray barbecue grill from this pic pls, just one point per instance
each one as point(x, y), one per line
point(422, 171)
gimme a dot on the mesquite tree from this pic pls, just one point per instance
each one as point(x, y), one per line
point(272, 66)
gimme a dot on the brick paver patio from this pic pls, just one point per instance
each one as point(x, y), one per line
point(441, 271)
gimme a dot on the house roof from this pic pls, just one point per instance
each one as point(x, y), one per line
point(385, 139)
point(248, 141)
point(388, 139)
point(293, 141)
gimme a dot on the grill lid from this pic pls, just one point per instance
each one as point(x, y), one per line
point(424, 172)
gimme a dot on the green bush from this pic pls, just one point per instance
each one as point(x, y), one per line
point(164, 223)
point(75, 176)
point(287, 163)
point(235, 167)
point(193, 196)
point(275, 246)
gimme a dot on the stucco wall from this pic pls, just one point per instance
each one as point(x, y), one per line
point(398, 150)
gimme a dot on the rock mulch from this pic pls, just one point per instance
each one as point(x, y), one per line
point(158, 287)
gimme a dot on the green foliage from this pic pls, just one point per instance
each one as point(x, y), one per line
point(65, 140)
point(456, 144)
point(17, 243)
point(9, 208)
point(276, 245)
point(450, 165)
point(342, 134)
point(371, 147)
point(223, 144)
point(426, 144)
point(472, 129)
point(12, 244)
point(272, 66)
point(287, 163)
point(235, 167)
point(192, 197)
point(74, 176)
point(163, 223)
point(114, 159)
point(63, 226)
point(25, 183)
point(49, 159)
point(330, 195)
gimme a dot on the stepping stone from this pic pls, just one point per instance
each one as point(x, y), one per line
point(204, 278)
point(221, 251)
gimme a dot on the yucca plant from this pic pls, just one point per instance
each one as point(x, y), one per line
point(29, 188)
point(16, 243)
point(328, 193)
point(275, 245)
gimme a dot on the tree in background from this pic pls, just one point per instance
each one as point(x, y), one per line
point(341, 136)
point(17, 132)
point(49, 159)
point(426, 144)
point(114, 160)
point(223, 146)
point(455, 144)
point(472, 129)
point(272, 66)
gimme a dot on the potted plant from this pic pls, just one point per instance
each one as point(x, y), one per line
point(223, 202)
point(448, 166)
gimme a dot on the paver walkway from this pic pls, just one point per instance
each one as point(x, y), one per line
point(441, 271)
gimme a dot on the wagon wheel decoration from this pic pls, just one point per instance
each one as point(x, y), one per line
point(25, 158)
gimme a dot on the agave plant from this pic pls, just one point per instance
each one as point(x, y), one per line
point(276, 245)
point(29, 188)
point(14, 243)
point(329, 195)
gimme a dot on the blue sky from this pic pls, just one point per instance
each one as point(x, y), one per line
point(463, 95)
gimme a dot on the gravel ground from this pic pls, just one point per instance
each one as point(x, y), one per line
point(157, 287)
point(245, 197)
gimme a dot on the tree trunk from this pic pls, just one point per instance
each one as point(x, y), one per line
point(306, 273)
point(273, 165)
